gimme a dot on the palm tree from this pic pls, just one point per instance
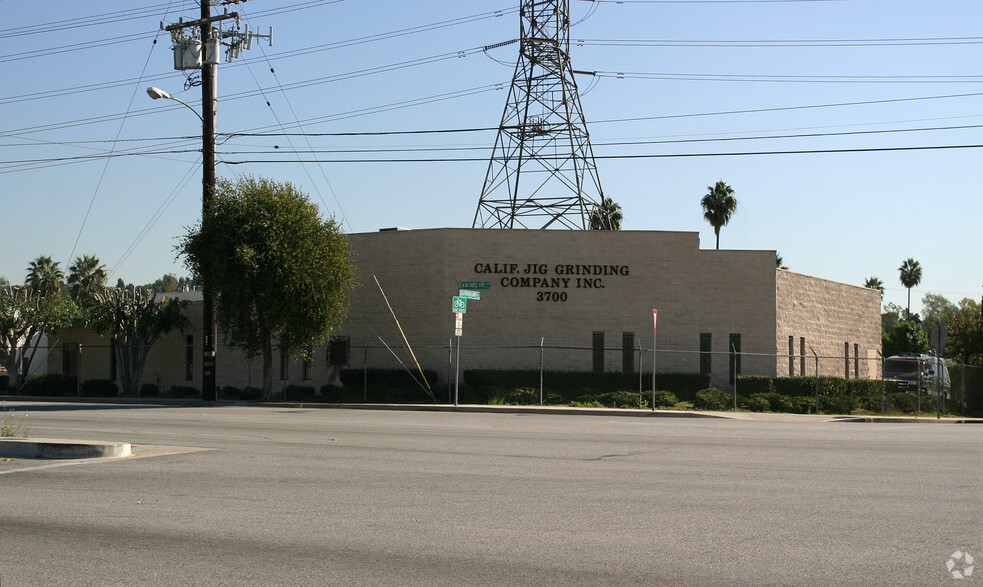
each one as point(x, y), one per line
point(44, 276)
point(606, 216)
point(911, 275)
point(86, 276)
point(780, 262)
point(719, 204)
point(874, 283)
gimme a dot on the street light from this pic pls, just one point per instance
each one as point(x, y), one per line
point(209, 99)
point(157, 94)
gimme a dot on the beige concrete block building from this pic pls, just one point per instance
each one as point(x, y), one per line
point(590, 292)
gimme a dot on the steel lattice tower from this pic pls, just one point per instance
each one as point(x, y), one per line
point(542, 172)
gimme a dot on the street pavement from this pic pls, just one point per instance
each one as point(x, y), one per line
point(236, 495)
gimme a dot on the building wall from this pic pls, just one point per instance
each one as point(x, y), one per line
point(838, 322)
point(558, 288)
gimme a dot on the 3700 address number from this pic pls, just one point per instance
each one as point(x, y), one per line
point(551, 296)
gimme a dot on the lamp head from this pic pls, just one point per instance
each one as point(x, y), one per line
point(157, 93)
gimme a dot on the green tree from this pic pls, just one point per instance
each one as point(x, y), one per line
point(26, 315)
point(86, 277)
point(936, 309)
point(874, 283)
point(891, 316)
point(911, 275)
point(965, 334)
point(166, 284)
point(135, 320)
point(279, 272)
point(606, 216)
point(719, 205)
point(906, 337)
point(780, 262)
point(44, 276)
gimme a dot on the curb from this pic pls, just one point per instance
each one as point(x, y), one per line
point(22, 448)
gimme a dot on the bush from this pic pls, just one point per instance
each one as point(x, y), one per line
point(905, 403)
point(229, 392)
point(4, 382)
point(298, 392)
point(843, 404)
point(149, 390)
point(665, 399)
point(759, 403)
point(753, 384)
point(623, 399)
point(183, 391)
point(99, 388)
point(52, 384)
point(714, 400)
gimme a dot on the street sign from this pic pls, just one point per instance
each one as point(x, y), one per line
point(459, 322)
point(470, 294)
point(459, 305)
point(458, 332)
point(475, 285)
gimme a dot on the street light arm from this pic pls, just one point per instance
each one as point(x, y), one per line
point(157, 93)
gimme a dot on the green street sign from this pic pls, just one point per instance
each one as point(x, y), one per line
point(470, 294)
point(459, 305)
point(475, 285)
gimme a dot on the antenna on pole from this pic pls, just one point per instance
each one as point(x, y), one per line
point(542, 172)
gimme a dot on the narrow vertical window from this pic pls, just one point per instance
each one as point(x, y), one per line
point(597, 346)
point(846, 360)
point(856, 361)
point(802, 355)
point(628, 352)
point(735, 356)
point(791, 356)
point(189, 357)
point(112, 360)
point(309, 365)
point(706, 356)
point(284, 366)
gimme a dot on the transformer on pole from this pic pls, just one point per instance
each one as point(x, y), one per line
point(542, 172)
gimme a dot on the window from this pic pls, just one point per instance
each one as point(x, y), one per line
point(112, 360)
point(597, 345)
point(846, 360)
point(735, 357)
point(706, 356)
point(189, 357)
point(284, 365)
point(628, 352)
point(308, 365)
point(791, 356)
point(856, 360)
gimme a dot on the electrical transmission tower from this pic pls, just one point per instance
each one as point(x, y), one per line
point(542, 172)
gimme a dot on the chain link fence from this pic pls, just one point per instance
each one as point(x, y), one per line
point(521, 375)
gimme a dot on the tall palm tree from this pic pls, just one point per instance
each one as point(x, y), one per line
point(44, 276)
point(719, 204)
point(874, 283)
point(911, 275)
point(86, 276)
point(606, 216)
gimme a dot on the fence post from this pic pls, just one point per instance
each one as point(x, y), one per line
point(450, 365)
point(733, 351)
point(365, 372)
point(882, 381)
point(639, 345)
point(542, 340)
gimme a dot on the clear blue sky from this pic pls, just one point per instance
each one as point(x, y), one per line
point(843, 110)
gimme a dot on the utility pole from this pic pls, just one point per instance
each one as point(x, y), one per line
point(201, 50)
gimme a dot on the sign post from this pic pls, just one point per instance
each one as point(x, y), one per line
point(655, 319)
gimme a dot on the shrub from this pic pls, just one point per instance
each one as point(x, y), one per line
point(149, 390)
point(183, 391)
point(843, 404)
point(759, 403)
point(52, 384)
point(905, 403)
point(251, 394)
point(4, 382)
point(713, 399)
point(99, 388)
point(623, 399)
point(298, 392)
point(665, 399)
point(753, 384)
point(229, 392)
